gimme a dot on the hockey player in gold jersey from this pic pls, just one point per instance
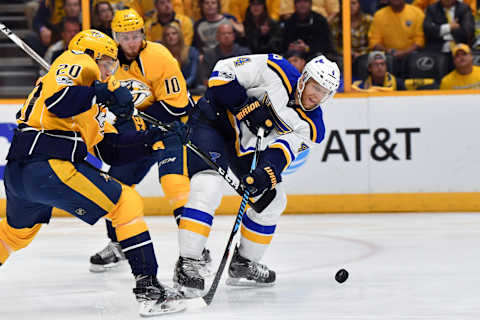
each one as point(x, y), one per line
point(158, 87)
point(61, 121)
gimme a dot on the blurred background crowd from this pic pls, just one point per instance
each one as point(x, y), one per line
point(395, 44)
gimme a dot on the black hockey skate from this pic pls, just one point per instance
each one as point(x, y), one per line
point(155, 299)
point(187, 278)
point(109, 257)
point(244, 272)
point(206, 264)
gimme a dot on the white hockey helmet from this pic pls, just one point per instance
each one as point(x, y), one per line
point(323, 71)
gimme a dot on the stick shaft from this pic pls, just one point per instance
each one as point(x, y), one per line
point(19, 42)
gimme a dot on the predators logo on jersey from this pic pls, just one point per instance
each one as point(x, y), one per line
point(139, 90)
point(101, 118)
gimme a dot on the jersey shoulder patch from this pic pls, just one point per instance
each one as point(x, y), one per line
point(240, 61)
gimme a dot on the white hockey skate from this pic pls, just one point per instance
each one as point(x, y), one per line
point(108, 258)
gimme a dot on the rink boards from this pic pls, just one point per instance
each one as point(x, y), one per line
point(380, 154)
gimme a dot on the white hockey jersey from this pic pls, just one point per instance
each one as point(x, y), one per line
point(272, 79)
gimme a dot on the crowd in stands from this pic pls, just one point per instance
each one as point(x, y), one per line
point(395, 44)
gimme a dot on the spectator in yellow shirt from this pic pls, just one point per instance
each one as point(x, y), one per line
point(397, 29)
point(465, 75)
point(165, 15)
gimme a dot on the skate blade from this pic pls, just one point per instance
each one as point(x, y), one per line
point(188, 293)
point(96, 268)
point(242, 282)
point(152, 308)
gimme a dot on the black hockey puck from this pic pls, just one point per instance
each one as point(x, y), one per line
point(341, 276)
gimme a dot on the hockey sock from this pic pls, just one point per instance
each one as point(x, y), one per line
point(176, 188)
point(4, 253)
point(132, 233)
point(177, 213)
point(139, 251)
point(112, 235)
point(256, 238)
point(194, 231)
point(14, 238)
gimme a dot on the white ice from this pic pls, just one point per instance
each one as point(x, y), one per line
point(402, 266)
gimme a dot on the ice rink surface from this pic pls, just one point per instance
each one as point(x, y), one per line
point(402, 266)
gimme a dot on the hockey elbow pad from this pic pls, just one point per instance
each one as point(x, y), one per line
point(255, 115)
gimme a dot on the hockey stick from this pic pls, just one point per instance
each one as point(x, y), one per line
point(208, 297)
point(258, 205)
point(19, 42)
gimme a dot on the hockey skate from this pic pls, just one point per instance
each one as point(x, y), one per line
point(156, 299)
point(206, 264)
point(244, 272)
point(187, 278)
point(109, 257)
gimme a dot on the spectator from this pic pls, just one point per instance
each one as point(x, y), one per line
point(145, 8)
point(447, 21)
point(30, 10)
point(297, 59)
point(189, 8)
point(40, 42)
point(68, 29)
point(398, 30)
point(186, 56)
point(226, 48)
point(102, 17)
point(239, 8)
point(465, 75)
point(329, 9)
point(378, 79)
point(308, 31)
point(165, 15)
point(360, 24)
point(206, 28)
point(264, 33)
point(49, 13)
point(423, 4)
point(72, 9)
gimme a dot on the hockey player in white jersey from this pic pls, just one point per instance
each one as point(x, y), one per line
point(246, 93)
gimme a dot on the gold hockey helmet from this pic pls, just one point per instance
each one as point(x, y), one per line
point(127, 20)
point(94, 41)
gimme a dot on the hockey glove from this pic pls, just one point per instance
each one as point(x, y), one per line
point(202, 109)
point(255, 115)
point(181, 130)
point(174, 138)
point(119, 101)
point(264, 177)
